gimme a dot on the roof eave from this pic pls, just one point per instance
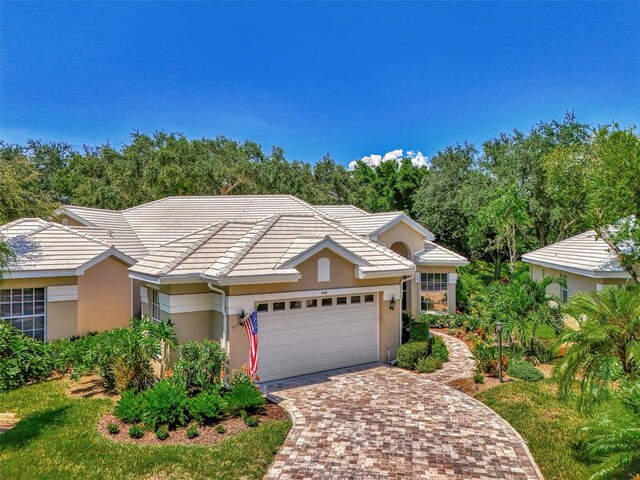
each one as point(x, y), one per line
point(578, 271)
point(402, 217)
point(255, 279)
point(367, 274)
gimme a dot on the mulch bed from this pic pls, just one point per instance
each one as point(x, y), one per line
point(89, 386)
point(208, 434)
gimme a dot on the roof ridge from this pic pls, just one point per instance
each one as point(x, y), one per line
point(249, 244)
point(193, 232)
point(18, 221)
point(92, 208)
point(321, 238)
point(193, 247)
point(381, 248)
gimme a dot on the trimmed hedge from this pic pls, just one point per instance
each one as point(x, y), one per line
point(524, 371)
point(419, 332)
point(428, 364)
point(439, 349)
point(409, 354)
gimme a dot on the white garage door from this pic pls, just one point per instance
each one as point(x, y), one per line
point(314, 334)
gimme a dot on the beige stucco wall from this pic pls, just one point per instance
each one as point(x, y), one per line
point(104, 297)
point(238, 343)
point(389, 329)
point(342, 276)
point(401, 232)
point(575, 283)
point(61, 317)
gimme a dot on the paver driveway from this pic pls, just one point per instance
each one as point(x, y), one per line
point(377, 421)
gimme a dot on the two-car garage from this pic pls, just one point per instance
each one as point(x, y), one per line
point(304, 335)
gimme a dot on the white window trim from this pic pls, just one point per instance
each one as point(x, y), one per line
point(446, 283)
point(154, 302)
point(324, 270)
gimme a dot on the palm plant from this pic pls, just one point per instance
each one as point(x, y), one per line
point(614, 440)
point(606, 347)
point(523, 306)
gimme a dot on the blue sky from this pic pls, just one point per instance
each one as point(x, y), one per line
point(348, 79)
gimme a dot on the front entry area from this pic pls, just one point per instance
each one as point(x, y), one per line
point(307, 335)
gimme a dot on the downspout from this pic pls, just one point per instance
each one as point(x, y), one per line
point(404, 279)
point(224, 314)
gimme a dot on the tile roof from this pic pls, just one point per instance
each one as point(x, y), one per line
point(437, 255)
point(585, 254)
point(239, 249)
point(238, 236)
point(41, 246)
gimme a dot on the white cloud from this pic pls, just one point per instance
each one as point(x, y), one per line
point(373, 160)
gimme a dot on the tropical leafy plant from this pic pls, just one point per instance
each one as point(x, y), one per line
point(613, 441)
point(244, 398)
point(606, 347)
point(206, 407)
point(22, 359)
point(199, 368)
point(523, 306)
point(165, 404)
point(130, 407)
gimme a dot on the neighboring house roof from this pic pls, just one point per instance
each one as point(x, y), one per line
point(337, 211)
point(245, 251)
point(585, 254)
point(373, 224)
point(50, 249)
point(437, 255)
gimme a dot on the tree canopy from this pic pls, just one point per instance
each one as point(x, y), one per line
point(511, 194)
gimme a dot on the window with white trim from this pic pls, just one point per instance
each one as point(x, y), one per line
point(564, 289)
point(433, 292)
point(154, 304)
point(324, 269)
point(24, 308)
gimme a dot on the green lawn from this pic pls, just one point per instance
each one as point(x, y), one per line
point(57, 438)
point(548, 425)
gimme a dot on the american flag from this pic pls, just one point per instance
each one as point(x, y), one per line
point(251, 326)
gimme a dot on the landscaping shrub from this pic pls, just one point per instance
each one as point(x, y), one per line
point(162, 433)
point(486, 357)
point(428, 364)
point(136, 432)
point(478, 378)
point(165, 404)
point(220, 429)
point(113, 428)
point(439, 349)
point(130, 407)
point(244, 398)
point(446, 320)
point(241, 376)
point(206, 407)
point(542, 351)
point(419, 332)
point(192, 431)
point(252, 421)
point(22, 359)
point(409, 354)
point(407, 321)
point(200, 366)
point(524, 371)
point(122, 357)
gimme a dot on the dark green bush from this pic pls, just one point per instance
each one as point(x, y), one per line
point(162, 433)
point(252, 421)
point(220, 429)
point(200, 366)
point(192, 431)
point(165, 404)
point(136, 432)
point(542, 351)
point(524, 371)
point(244, 398)
point(206, 407)
point(409, 353)
point(407, 321)
point(130, 407)
point(419, 332)
point(486, 357)
point(478, 378)
point(439, 349)
point(113, 428)
point(22, 359)
point(428, 364)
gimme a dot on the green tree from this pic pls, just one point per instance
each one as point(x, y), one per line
point(523, 306)
point(606, 347)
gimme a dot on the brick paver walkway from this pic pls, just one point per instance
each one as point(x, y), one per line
point(376, 421)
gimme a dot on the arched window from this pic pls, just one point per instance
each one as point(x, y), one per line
point(324, 270)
